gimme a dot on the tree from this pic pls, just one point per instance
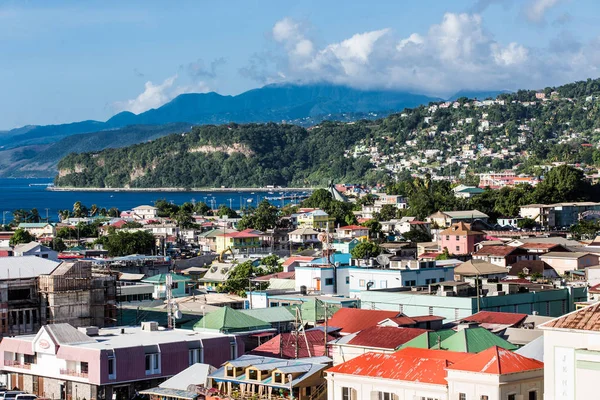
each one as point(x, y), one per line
point(526, 223)
point(417, 236)
point(264, 217)
point(124, 243)
point(374, 228)
point(201, 208)
point(365, 250)
point(20, 236)
point(272, 264)
point(239, 279)
point(93, 210)
point(183, 218)
point(367, 200)
point(225, 211)
point(561, 184)
point(57, 244)
point(79, 210)
point(114, 212)
point(388, 212)
point(445, 255)
point(64, 214)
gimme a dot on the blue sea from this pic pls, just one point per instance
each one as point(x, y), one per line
point(33, 193)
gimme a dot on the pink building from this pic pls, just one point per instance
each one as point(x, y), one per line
point(459, 238)
point(62, 362)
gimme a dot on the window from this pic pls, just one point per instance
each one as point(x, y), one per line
point(347, 280)
point(386, 396)
point(532, 395)
point(457, 248)
point(484, 397)
point(382, 284)
point(457, 238)
point(410, 283)
point(442, 279)
point(84, 367)
point(430, 310)
point(361, 283)
point(447, 237)
point(329, 281)
point(29, 359)
point(112, 370)
point(194, 356)
point(512, 397)
point(152, 363)
point(462, 396)
point(348, 393)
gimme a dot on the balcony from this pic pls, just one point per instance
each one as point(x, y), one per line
point(72, 372)
point(16, 364)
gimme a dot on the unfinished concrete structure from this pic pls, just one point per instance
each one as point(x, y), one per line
point(73, 294)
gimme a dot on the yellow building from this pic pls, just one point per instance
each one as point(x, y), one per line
point(246, 240)
point(317, 219)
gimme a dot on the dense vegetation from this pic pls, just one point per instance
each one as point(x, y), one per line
point(259, 155)
point(519, 131)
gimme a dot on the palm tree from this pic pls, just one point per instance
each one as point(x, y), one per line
point(64, 214)
point(93, 210)
point(34, 215)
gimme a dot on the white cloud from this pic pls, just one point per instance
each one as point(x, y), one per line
point(537, 9)
point(155, 95)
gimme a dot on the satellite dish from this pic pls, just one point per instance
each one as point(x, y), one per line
point(323, 237)
point(382, 259)
point(177, 314)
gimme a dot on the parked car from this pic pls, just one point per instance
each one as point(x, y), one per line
point(10, 394)
point(26, 396)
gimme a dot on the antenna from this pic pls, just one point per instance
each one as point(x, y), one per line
point(170, 317)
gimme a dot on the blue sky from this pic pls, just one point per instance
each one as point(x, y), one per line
point(64, 61)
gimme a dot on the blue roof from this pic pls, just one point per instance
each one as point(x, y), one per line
point(342, 258)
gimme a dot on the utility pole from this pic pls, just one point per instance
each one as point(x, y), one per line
point(250, 292)
point(169, 283)
point(47, 217)
point(325, 329)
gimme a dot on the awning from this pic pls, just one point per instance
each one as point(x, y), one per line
point(174, 393)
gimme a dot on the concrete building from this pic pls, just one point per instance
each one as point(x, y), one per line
point(145, 212)
point(62, 362)
point(460, 239)
point(572, 355)
point(447, 218)
point(559, 215)
point(72, 294)
point(493, 374)
point(39, 229)
point(562, 262)
point(35, 249)
point(304, 236)
point(458, 300)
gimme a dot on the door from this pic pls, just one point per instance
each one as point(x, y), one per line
point(318, 285)
point(21, 387)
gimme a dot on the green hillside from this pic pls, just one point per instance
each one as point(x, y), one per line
point(522, 130)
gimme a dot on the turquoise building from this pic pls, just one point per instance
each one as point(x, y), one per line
point(181, 285)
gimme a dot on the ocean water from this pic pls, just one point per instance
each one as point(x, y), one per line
point(33, 193)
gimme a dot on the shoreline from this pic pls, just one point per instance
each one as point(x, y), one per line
point(190, 190)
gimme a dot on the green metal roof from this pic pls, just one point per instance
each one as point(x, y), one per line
point(429, 340)
point(271, 314)
point(34, 224)
point(228, 320)
point(474, 340)
point(162, 278)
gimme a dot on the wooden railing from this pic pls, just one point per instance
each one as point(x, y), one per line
point(16, 364)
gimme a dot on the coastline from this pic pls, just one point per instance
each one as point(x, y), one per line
point(169, 189)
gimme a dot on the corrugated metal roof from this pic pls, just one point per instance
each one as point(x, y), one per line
point(25, 267)
point(585, 319)
point(429, 340)
point(284, 345)
point(497, 361)
point(170, 393)
point(196, 374)
point(271, 314)
point(475, 340)
point(66, 334)
point(493, 317)
point(502, 251)
point(385, 337)
point(228, 320)
point(162, 278)
point(413, 365)
point(533, 349)
point(355, 319)
point(479, 267)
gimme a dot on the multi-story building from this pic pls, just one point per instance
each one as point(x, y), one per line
point(456, 300)
point(248, 240)
point(460, 239)
point(39, 229)
point(559, 215)
point(35, 249)
point(62, 362)
point(447, 218)
point(316, 219)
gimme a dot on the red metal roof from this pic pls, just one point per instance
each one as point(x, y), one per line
point(585, 319)
point(497, 361)
point(352, 320)
point(353, 228)
point(493, 317)
point(540, 246)
point(427, 318)
point(294, 259)
point(385, 337)
point(429, 255)
point(414, 365)
point(284, 345)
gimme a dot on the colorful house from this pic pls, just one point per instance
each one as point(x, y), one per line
point(179, 288)
point(39, 229)
point(248, 240)
point(352, 231)
point(316, 219)
point(460, 238)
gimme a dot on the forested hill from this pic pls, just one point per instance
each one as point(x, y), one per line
point(522, 130)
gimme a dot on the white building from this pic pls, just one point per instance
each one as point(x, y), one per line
point(409, 374)
point(572, 355)
point(35, 249)
point(145, 212)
